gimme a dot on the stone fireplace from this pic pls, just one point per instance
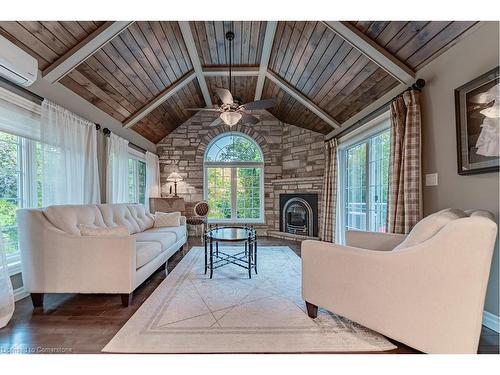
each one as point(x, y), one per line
point(299, 214)
point(297, 207)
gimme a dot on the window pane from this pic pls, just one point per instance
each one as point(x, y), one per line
point(132, 188)
point(233, 148)
point(38, 174)
point(379, 179)
point(219, 192)
point(136, 181)
point(355, 206)
point(141, 181)
point(10, 189)
point(248, 193)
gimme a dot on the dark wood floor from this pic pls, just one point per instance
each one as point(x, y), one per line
point(71, 323)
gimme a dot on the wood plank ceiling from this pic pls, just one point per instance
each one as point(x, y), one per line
point(148, 59)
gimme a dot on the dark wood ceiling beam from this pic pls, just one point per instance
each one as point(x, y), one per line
point(372, 50)
point(195, 60)
point(83, 50)
point(264, 59)
point(160, 99)
point(298, 96)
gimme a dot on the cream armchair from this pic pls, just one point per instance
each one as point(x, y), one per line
point(427, 293)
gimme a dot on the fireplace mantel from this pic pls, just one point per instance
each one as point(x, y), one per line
point(296, 180)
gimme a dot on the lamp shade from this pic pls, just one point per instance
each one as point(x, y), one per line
point(174, 177)
point(230, 118)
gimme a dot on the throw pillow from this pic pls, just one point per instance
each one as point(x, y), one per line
point(167, 219)
point(429, 226)
point(90, 230)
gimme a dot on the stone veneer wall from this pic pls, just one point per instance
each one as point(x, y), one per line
point(303, 153)
point(288, 151)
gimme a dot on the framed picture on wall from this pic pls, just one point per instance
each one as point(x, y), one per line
point(477, 107)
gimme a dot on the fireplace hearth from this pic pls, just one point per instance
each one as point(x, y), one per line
point(299, 214)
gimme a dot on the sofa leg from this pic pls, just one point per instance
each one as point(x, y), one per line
point(37, 299)
point(312, 310)
point(127, 299)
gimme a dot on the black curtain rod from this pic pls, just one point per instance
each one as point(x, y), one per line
point(418, 86)
point(107, 133)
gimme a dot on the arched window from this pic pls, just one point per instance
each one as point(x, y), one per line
point(233, 174)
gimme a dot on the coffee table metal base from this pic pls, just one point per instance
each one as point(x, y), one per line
point(216, 258)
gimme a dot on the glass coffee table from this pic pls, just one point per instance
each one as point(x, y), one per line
point(216, 258)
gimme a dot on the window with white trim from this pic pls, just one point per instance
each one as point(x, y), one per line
point(20, 168)
point(364, 179)
point(233, 179)
point(20, 187)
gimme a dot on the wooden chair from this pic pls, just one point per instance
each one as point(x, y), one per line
point(201, 210)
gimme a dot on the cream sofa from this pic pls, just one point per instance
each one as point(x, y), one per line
point(56, 258)
point(425, 290)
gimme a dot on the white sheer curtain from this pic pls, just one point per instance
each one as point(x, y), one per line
point(69, 157)
point(117, 170)
point(152, 177)
point(6, 292)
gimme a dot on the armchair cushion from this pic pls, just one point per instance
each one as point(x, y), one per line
point(429, 226)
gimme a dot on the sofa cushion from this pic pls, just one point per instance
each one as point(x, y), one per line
point(166, 239)
point(146, 252)
point(143, 219)
point(167, 219)
point(119, 215)
point(429, 226)
point(68, 218)
point(91, 230)
point(180, 232)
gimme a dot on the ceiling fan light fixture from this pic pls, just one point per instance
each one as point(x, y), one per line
point(230, 118)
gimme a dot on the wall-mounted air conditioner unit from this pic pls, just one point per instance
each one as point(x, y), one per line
point(17, 65)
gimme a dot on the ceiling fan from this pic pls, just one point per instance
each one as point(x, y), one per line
point(230, 107)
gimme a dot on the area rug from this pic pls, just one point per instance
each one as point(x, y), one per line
point(191, 313)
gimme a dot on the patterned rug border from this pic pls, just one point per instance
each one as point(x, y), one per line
point(145, 321)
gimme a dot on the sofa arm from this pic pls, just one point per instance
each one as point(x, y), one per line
point(373, 240)
point(183, 221)
point(54, 261)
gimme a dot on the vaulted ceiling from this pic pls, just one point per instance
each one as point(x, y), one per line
point(322, 74)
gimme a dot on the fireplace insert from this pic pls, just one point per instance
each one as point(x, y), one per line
point(299, 214)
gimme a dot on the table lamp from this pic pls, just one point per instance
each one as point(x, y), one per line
point(174, 177)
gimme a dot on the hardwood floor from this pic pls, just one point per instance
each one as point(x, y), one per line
point(71, 323)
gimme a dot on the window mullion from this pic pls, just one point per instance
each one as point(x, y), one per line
point(28, 174)
point(234, 183)
point(367, 188)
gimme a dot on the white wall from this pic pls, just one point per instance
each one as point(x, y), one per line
point(471, 57)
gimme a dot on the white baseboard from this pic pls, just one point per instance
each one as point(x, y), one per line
point(20, 293)
point(491, 321)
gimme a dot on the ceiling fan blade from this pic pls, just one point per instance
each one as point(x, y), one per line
point(247, 119)
point(202, 109)
point(216, 122)
point(259, 104)
point(225, 95)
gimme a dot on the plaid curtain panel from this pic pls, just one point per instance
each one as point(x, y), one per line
point(329, 204)
point(404, 206)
